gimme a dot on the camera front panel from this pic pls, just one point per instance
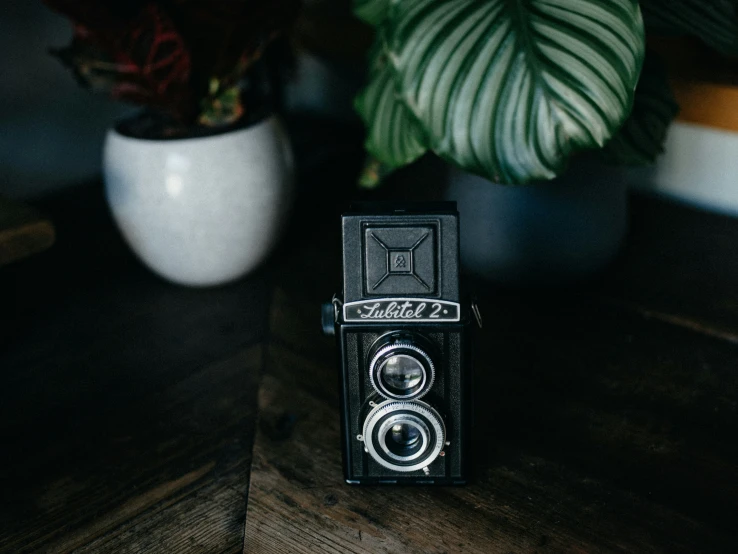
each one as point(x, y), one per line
point(403, 335)
point(404, 403)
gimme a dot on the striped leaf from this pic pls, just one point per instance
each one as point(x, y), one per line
point(509, 89)
point(715, 22)
point(394, 137)
point(641, 138)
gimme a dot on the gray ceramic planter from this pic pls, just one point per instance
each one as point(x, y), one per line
point(550, 233)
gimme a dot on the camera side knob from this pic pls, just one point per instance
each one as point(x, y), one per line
point(328, 319)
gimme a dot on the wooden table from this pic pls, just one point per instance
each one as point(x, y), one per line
point(127, 405)
point(23, 232)
point(606, 421)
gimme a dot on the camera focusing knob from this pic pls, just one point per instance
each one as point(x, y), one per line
point(327, 319)
point(330, 314)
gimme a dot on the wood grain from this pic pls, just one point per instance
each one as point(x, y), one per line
point(707, 104)
point(127, 404)
point(680, 264)
point(188, 496)
point(599, 428)
point(23, 231)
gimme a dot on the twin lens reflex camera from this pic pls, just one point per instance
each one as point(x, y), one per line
point(403, 337)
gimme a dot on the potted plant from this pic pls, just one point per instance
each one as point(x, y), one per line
point(553, 95)
point(199, 181)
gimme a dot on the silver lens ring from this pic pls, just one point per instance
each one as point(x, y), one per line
point(408, 350)
point(418, 414)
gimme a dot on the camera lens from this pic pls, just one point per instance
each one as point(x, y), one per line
point(404, 436)
point(402, 373)
point(401, 369)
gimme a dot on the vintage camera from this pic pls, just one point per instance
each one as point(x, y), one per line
point(403, 336)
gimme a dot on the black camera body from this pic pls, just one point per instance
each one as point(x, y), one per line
point(403, 335)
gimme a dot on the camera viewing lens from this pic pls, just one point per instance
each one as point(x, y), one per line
point(402, 369)
point(402, 373)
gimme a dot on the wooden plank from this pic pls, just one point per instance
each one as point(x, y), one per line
point(180, 485)
point(704, 82)
point(23, 232)
point(708, 104)
point(679, 264)
point(598, 429)
point(127, 405)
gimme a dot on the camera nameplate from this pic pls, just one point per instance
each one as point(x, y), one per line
point(402, 310)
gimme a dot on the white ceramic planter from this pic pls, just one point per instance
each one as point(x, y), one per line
point(699, 166)
point(201, 211)
point(550, 233)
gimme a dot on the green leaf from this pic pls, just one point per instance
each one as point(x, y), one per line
point(371, 11)
point(715, 22)
point(641, 139)
point(394, 136)
point(508, 89)
point(222, 106)
point(373, 173)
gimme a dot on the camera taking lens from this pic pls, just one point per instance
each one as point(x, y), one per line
point(404, 436)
